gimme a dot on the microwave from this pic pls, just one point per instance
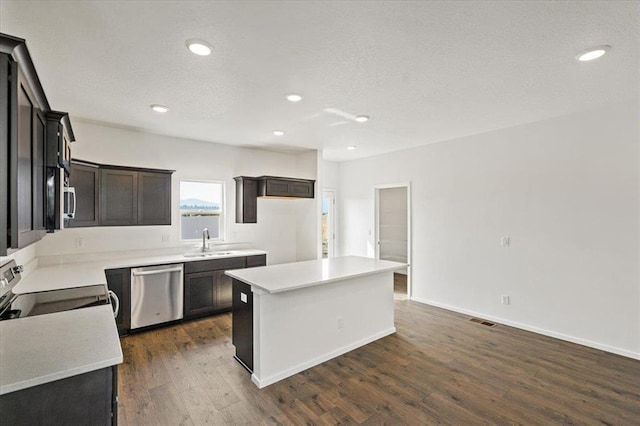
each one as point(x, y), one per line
point(60, 199)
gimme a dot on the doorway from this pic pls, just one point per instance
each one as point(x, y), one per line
point(328, 223)
point(393, 232)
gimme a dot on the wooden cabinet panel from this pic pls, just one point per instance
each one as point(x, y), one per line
point(119, 281)
point(215, 264)
point(242, 321)
point(27, 208)
point(118, 197)
point(258, 260)
point(85, 180)
point(84, 399)
point(246, 199)
point(272, 186)
point(224, 290)
point(199, 293)
point(154, 198)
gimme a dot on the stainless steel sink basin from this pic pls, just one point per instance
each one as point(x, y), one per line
point(210, 254)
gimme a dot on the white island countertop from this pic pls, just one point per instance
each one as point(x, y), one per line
point(293, 276)
point(43, 348)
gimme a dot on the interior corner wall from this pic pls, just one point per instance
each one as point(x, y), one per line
point(309, 210)
point(567, 193)
point(276, 230)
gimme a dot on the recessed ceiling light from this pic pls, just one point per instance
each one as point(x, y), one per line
point(199, 47)
point(278, 133)
point(351, 147)
point(294, 97)
point(593, 53)
point(362, 118)
point(159, 108)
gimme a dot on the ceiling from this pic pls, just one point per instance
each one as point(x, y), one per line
point(424, 71)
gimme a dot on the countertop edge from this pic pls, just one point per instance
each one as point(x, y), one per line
point(60, 375)
point(314, 283)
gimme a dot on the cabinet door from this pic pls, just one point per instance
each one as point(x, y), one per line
point(301, 189)
point(119, 281)
point(118, 197)
point(199, 293)
point(85, 180)
point(224, 292)
point(154, 198)
point(246, 200)
point(277, 188)
point(27, 210)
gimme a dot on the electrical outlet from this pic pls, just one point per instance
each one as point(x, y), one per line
point(505, 241)
point(79, 242)
point(340, 323)
point(166, 238)
point(505, 299)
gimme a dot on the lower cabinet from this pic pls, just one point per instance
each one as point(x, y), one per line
point(86, 399)
point(206, 293)
point(119, 281)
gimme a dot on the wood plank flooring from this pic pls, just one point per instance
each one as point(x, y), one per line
point(439, 368)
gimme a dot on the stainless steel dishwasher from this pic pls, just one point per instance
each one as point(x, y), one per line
point(157, 295)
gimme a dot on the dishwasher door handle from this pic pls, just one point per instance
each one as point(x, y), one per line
point(155, 272)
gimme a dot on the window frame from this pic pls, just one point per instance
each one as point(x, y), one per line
point(223, 216)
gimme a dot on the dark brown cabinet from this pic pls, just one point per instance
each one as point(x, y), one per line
point(271, 186)
point(119, 281)
point(85, 399)
point(118, 197)
point(246, 199)
point(24, 148)
point(207, 290)
point(154, 198)
point(242, 323)
point(86, 180)
point(27, 210)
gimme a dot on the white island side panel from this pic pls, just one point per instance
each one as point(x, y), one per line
point(298, 329)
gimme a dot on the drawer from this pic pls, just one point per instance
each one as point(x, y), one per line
point(259, 260)
point(214, 264)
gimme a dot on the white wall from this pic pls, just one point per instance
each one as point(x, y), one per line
point(308, 225)
point(567, 192)
point(277, 230)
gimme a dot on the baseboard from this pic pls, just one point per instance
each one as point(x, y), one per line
point(565, 337)
point(261, 383)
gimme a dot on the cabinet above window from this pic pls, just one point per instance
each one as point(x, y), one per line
point(109, 195)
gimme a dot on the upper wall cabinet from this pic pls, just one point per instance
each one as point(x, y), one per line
point(248, 189)
point(271, 186)
point(109, 195)
point(24, 148)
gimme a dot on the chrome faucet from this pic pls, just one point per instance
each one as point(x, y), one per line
point(205, 236)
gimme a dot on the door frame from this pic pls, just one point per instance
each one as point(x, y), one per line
point(332, 215)
point(376, 219)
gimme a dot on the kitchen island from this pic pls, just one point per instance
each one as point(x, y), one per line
point(290, 317)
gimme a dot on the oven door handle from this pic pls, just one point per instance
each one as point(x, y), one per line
point(116, 303)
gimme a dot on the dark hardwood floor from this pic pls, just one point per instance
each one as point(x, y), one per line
point(438, 368)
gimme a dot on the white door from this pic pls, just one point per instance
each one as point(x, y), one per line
point(393, 226)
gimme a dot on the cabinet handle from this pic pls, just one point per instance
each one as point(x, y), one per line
point(157, 271)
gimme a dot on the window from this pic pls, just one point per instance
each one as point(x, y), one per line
point(201, 206)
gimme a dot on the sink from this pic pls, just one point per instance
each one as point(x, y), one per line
point(211, 253)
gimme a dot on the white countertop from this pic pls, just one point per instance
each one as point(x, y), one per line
point(293, 276)
point(81, 274)
point(44, 348)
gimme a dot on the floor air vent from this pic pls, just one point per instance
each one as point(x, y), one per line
point(483, 322)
